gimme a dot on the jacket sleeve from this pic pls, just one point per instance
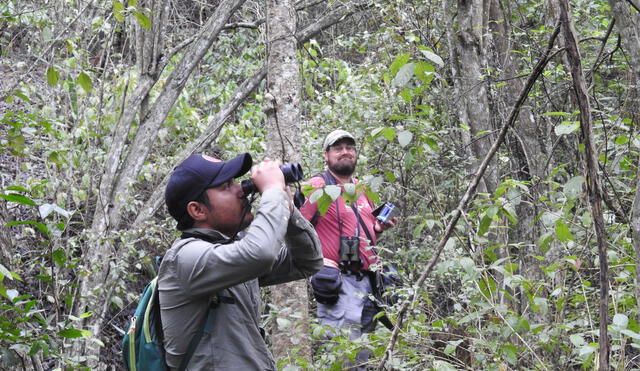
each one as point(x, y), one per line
point(201, 268)
point(300, 256)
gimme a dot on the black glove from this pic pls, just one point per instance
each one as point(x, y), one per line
point(326, 285)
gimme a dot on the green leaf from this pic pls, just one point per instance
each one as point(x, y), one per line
point(46, 209)
point(52, 76)
point(485, 223)
point(433, 57)
point(85, 81)
point(332, 191)
point(404, 75)
point(143, 20)
point(42, 227)
point(563, 232)
point(59, 256)
point(118, 11)
point(324, 203)
point(577, 340)
point(510, 353)
point(622, 140)
point(621, 320)
point(566, 127)
point(4, 272)
point(406, 95)
point(404, 138)
point(315, 196)
point(573, 187)
point(13, 197)
point(400, 61)
point(350, 188)
point(425, 72)
point(70, 333)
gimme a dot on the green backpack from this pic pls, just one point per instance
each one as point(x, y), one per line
point(142, 346)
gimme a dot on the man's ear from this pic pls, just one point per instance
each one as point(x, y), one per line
point(324, 155)
point(196, 211)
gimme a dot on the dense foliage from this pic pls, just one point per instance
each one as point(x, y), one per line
point(515, 288)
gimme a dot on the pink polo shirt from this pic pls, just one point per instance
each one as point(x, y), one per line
point(327, 225)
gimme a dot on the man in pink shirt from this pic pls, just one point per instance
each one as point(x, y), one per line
point(348, 235)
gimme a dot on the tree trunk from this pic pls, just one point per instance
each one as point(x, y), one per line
point(593, 182)
point(290, 336)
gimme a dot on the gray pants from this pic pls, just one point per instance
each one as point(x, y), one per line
point(353, 311)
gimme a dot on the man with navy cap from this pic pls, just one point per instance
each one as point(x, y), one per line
point(225, 254)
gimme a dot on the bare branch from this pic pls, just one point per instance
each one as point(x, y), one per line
point(593, 181)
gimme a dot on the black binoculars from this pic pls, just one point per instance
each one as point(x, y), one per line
point(292, 173)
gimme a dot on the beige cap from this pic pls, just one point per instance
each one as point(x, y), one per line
point(335, 136)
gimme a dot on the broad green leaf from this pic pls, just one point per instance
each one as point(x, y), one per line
point(409, 160)
point(433, 57)
point(85, 81)
point(143, 20)
point(631, 334)
point(404, 75)
point(400, 61)
point(577, 340)
point(622, 140)
point(70, 333)
point(620, 320)
point(349, 188)
point(315, 196)
point(510, 353)
point(41, 226)
point(425, 72)
point(406, 95)
point(324, 203)
point(404, 138)
point(118, 11)
point(52, 76)
point(46, 209)
point(332, 191)
point(59, 257)
point(12, 294)
point(468, 264)
point(4, 272)
point(566, 127)
point(389, 133)
point(485, 223)
point(491, 211)
point(13, 197)
point(563, 232)
point(573, 187)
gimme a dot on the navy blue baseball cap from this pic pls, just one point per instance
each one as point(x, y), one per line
point(198, 173)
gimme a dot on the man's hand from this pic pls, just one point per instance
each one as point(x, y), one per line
point(380, 227)
point(267, 175)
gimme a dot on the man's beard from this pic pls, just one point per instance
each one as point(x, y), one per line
point(343, 168)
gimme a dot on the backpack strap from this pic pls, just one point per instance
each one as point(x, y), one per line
point(207, 323)
point(328, 180)
point(205, 327)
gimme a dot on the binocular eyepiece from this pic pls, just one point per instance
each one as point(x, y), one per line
point(292, 173)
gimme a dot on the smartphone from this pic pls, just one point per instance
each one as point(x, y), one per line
point(385, 212)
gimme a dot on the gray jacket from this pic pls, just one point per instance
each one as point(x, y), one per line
point(193, 270)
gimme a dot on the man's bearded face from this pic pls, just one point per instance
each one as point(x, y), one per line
point(341, 157)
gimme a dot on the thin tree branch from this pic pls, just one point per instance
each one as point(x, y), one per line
point(469, 194)
point(593, 182)
point(634, 5)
